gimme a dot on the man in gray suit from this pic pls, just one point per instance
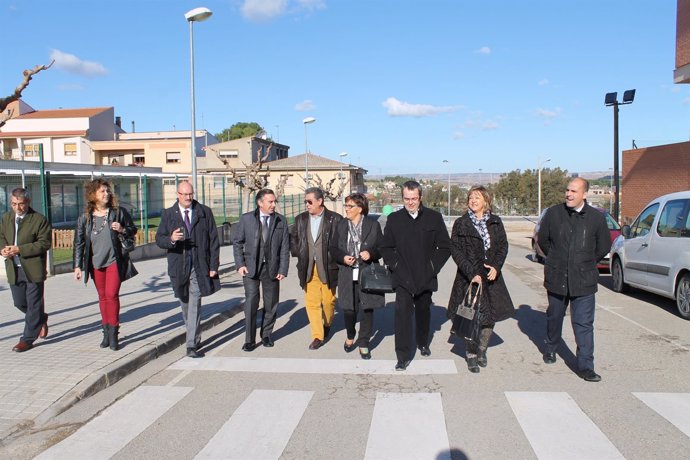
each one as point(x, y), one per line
point(261, 246)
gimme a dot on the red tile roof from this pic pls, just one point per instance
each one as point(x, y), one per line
point(63, 113)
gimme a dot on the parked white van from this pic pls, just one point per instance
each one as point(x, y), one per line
point(653, 253)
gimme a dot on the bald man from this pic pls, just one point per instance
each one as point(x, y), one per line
point(574, 237)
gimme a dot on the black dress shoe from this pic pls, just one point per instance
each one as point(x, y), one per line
point(425, 351)
point(315, 344)
point(481, 358)
point(248, 347)
point(267, 342)
point(192, 353)
point(402, 365)
point(22, 346)
point(349, 348)
point(549, 357)
point(473, 365)
point(364, 353)
point(589, 375)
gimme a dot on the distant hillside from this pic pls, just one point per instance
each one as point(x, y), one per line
point(477, 177)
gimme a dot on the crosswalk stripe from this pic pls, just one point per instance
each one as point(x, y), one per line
point(408, 426)
point(105, 435)
point(315, 366)
point(249, 435)
point(674, 407)
point(557, 428)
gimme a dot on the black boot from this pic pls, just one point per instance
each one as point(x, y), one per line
point(105, 342)
point(113, 331)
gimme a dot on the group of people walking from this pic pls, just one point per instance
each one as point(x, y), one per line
point(331, 251)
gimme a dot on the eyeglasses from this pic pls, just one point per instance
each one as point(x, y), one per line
point(186, 194)
point(308, 202)
point(411, 200)
point(350, 206)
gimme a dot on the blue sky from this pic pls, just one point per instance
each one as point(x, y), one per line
point(400, 85)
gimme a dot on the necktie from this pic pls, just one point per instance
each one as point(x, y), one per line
point(187, 222)
point(264, 228)
point(16, 228)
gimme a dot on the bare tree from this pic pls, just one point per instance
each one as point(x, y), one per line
point(332, 189)
point(255, 177)
point(4, 102)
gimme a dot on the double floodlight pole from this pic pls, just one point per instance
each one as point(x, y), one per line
point(611, 99)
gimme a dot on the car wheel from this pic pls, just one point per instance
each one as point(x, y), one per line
point(535, 255)
point(617, 276)
point(683, 296)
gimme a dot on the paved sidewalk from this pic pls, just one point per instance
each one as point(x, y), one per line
point(69, 365)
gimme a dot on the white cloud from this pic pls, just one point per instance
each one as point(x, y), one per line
point(72, 64)
point(398, 108)
point(312, 5)
point(457, 135)
point(305, 105)
point(483, 50)
point(489, 125)
point(543, 82)
point(548, 115)
point(263, 10)
point(686, 101)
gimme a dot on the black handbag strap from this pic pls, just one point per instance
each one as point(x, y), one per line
point(470, 299)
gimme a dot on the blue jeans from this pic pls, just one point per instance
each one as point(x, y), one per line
point(582, 319)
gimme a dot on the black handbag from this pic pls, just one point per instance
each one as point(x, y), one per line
point(468, 315)
point(128, 244)
point(376, 279)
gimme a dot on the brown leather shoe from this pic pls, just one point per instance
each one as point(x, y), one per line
point(316, 344)
point(22, 346)
point(43, 333)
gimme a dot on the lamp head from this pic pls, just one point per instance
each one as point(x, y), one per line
point(308, 120)
point(343, 154)
point(198, 14)
point(610, 99)
point(628, 96)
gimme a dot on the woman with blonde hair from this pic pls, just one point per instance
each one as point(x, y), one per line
point(479, 247)
point(102, 241)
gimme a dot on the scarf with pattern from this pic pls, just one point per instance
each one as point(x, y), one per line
point(480, 225)
point(355, 239)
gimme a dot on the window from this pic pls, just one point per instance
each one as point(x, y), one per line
point(71, 149)
point(644, 222)
point(218, 182)
point(674, 219)
point(138, 160)
point(229, 153)
point(31, 150)
point(169, 182)
point(173, 157)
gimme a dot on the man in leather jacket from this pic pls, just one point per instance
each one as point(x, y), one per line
point(574, 237)
point(310, 238)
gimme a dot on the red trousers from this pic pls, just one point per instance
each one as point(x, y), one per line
point(107, 281)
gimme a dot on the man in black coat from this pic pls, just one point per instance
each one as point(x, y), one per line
point(415, 247)
point(574, 237)
point(188, 232)
point(261, 246)
point(310, 239)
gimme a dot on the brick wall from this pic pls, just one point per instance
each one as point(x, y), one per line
point(683, 34)
point(651, 172)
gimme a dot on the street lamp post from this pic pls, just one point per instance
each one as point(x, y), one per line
point(447, 163)
point(611, 99)
point(541, 165)
point(610, 190)
point(192, 16)
point(306, 121)
point(342, 155)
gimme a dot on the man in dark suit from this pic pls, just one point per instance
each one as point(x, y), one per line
point(261, 246)
point(188, 232)
point(415, 247)
point(310, 238)
point(574, 238)
point(25, 237)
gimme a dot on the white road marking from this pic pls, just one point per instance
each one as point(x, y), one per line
point(408, 426)
point(106, 434)
point(260, 428)
point(674, 407)
point(315, 366)
point(557, 428)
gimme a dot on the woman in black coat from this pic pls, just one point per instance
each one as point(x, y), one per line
point(479, 247)
point(354, 247)
point(98, 253)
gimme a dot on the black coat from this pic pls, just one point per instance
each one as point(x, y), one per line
point(371, 238)
point(415, 250)
point(573, 243)
point(202, 241)
point(468, 252)
point(81, 252)
point(299, 246)
point(246, 239)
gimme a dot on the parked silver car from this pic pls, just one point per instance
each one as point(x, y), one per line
point(653, 253)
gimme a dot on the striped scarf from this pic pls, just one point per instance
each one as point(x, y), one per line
point(480, 225)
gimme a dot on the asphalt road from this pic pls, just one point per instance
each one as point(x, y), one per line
point(292, 403)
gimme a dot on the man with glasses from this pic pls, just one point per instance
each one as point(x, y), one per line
point(415, 247)
point(310, 238)
point(261, 246)
point(25, 237)
point(188, 232)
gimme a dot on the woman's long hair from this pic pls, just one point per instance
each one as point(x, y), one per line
point(90, 189)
